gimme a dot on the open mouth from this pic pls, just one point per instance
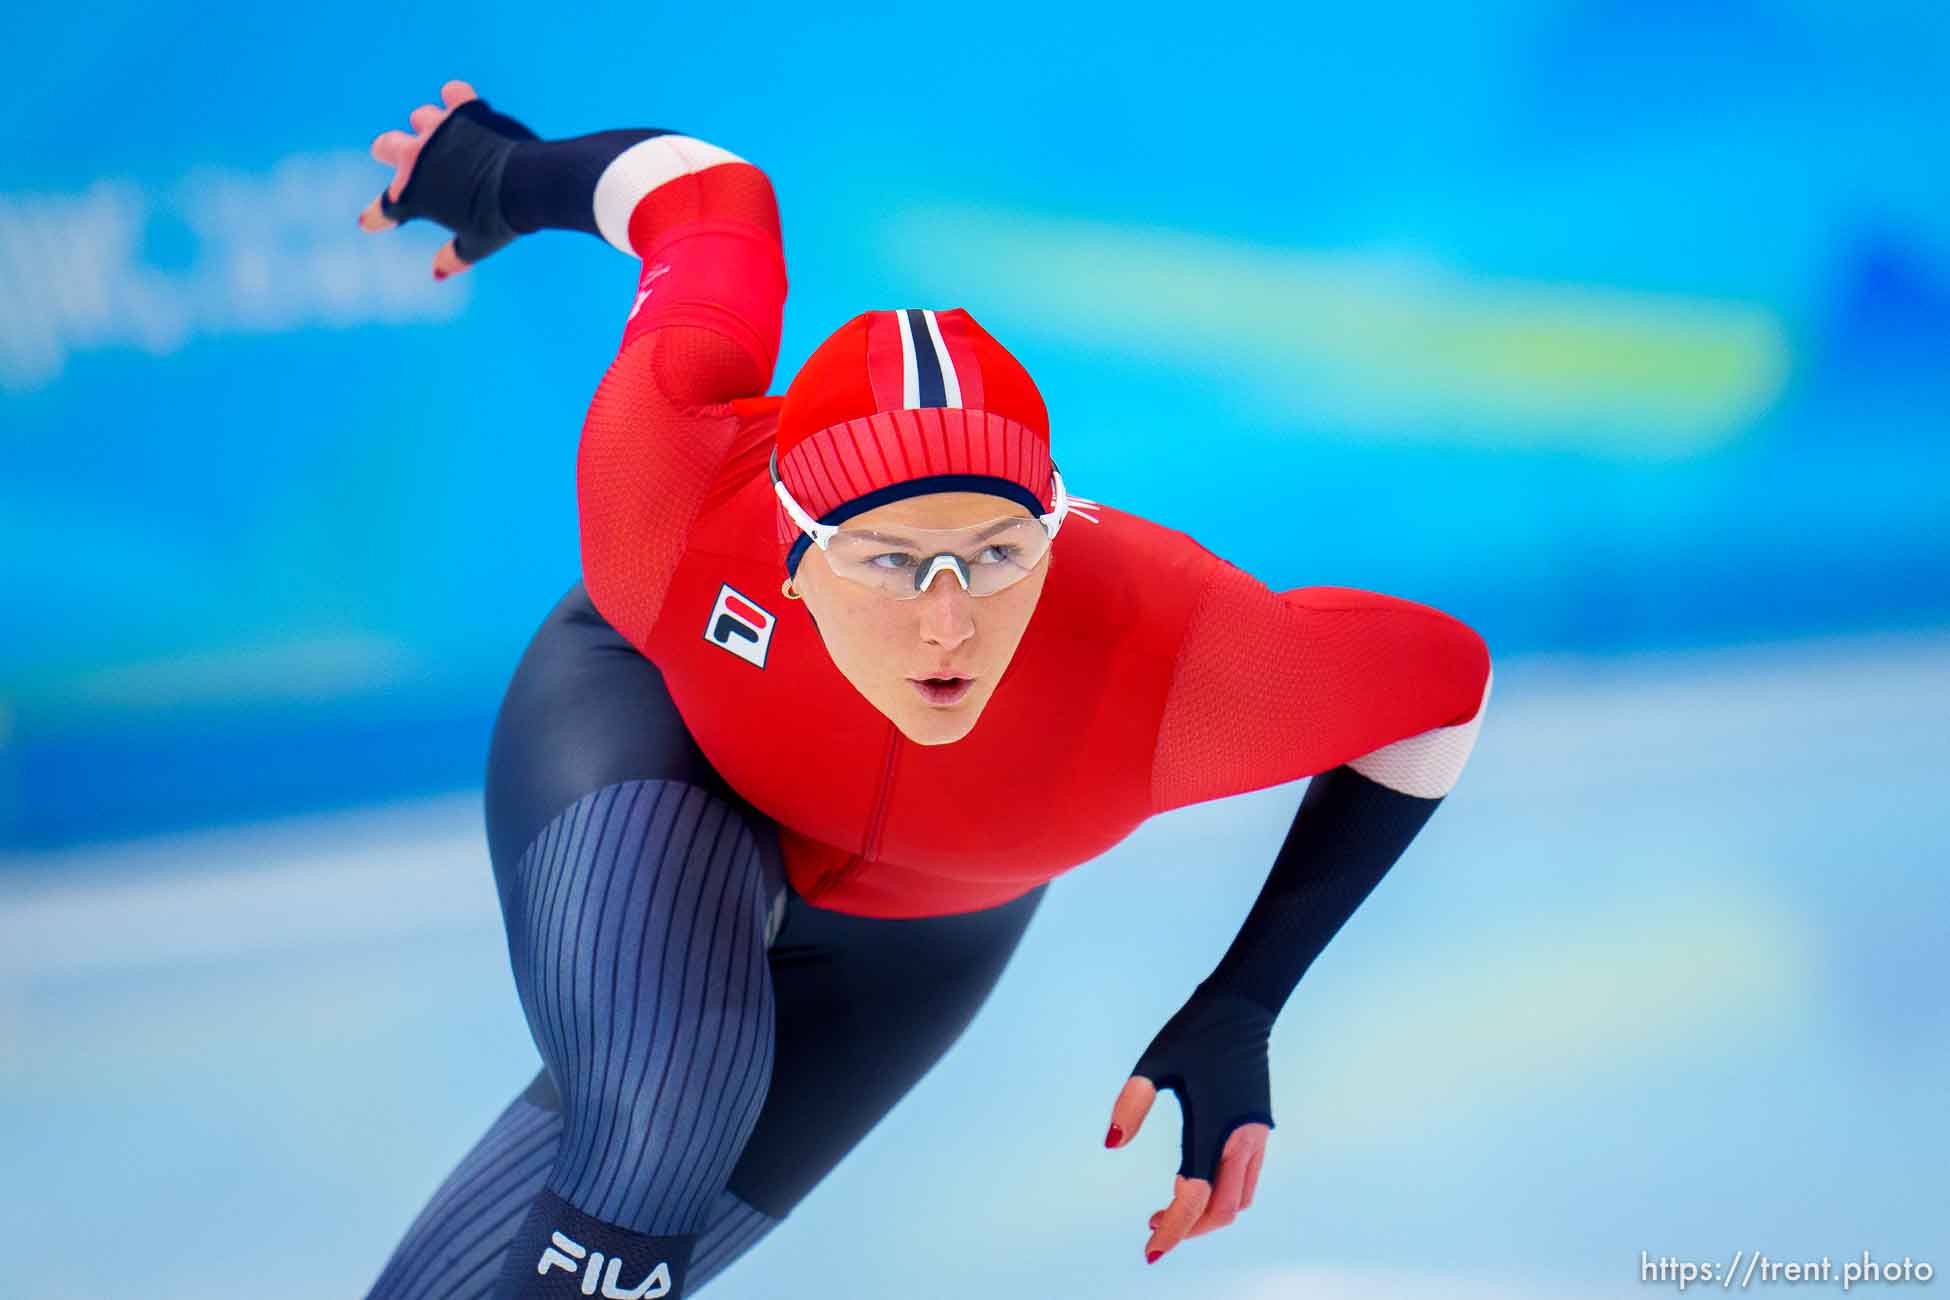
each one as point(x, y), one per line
point(942, 690)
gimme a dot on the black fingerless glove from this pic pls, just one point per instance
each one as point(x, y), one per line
point(1212, 1054)
point(456, 180)
point(1346, 833)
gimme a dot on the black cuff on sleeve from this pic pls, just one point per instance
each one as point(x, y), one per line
point(1348, 832)
point(551, 184)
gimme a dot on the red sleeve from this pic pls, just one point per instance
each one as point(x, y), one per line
point(703, 332)
point(1273, 686)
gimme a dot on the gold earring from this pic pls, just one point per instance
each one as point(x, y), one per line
point(786, 590)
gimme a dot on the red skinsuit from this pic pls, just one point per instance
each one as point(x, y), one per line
point(1153, 674)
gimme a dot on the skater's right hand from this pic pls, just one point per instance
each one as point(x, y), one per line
point(458, 179)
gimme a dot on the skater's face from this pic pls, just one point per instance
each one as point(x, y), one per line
point(890, 649)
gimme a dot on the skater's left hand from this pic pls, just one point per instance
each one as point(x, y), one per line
point(449, 171)
point(1212, 1054)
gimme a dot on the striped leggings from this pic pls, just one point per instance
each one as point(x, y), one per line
point(712, 1045)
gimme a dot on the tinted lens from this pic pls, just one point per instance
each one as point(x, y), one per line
point(995, 555)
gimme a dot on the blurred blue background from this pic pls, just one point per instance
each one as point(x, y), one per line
point(1618, 330)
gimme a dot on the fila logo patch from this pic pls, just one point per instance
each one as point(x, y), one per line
point(568, 1254)
point(737, 624)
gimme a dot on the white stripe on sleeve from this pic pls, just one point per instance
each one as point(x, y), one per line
point(1427, 765)
point(640, 169)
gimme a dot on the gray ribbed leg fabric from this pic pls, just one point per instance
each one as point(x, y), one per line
point(457, 1248)
point(637, 925)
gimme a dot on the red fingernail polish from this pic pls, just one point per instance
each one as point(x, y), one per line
point(439, 275)
point(1113, 1137)
point(1151, 1256)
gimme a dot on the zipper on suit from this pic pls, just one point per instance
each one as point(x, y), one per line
point(876, 822)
